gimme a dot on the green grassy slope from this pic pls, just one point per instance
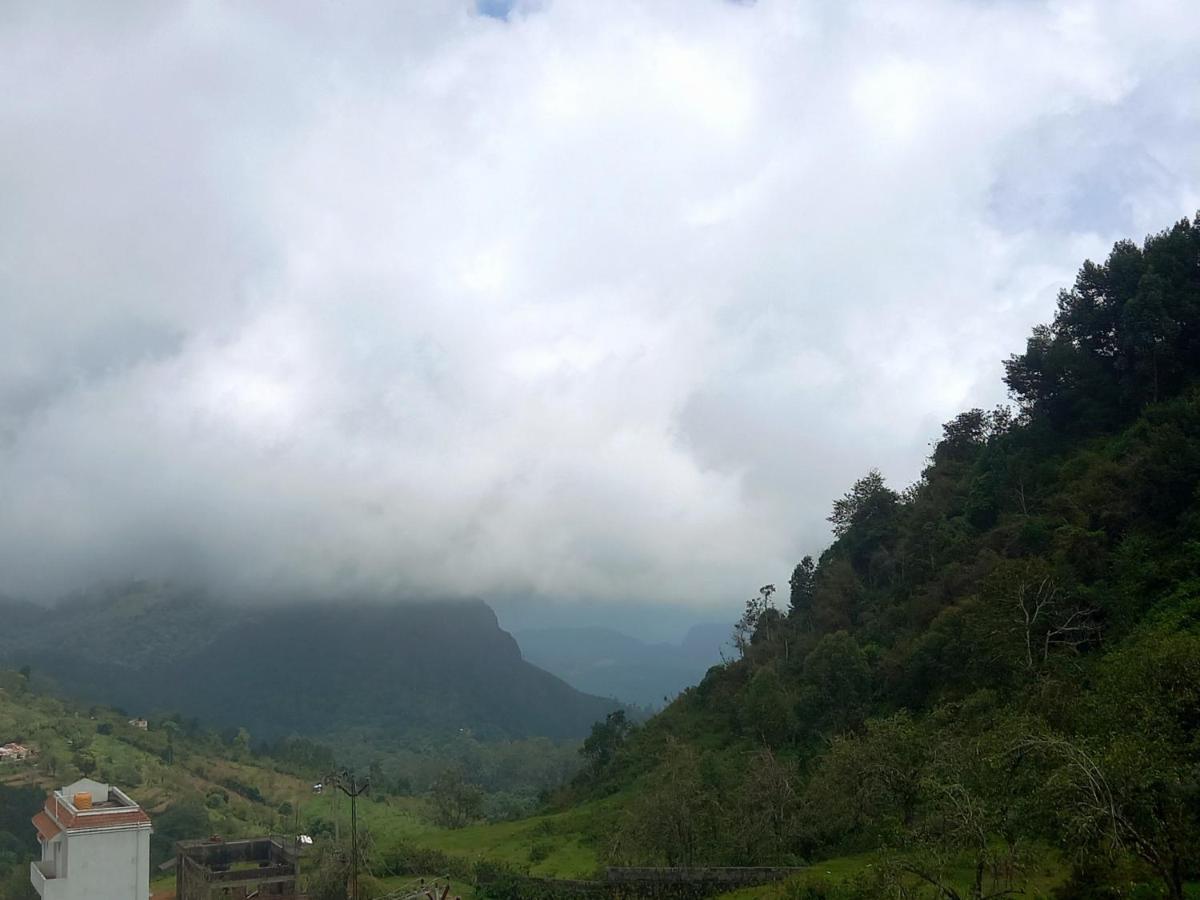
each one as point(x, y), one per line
point(195, 784)
point(192, 784)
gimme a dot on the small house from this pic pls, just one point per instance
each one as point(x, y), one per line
point(95, 845)
point(12, 752)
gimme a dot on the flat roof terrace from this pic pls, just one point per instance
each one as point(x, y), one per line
point(207, 869)
point(93, 804)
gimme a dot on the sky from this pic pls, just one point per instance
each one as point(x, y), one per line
point(595, 304)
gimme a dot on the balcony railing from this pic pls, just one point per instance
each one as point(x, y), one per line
point(45, 881)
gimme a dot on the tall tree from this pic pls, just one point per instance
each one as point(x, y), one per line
point(803, 583)
point(869, 501)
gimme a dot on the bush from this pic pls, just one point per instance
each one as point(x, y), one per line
point(249, 791)
point(408, 859)
point(1100, 879)
point(127, 775)
point(216, 799)
point(318, 827)
point(503, 806)
point(497, 881)
point(181, 821)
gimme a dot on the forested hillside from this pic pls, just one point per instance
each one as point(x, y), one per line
point(992, 675)
point(389, 674)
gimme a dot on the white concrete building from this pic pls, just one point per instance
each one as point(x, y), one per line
point(95, 845)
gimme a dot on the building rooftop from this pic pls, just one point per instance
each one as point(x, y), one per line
point(47, 828)
point(91, 804)
point(216, 868)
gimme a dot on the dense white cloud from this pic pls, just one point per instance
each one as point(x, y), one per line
point(602, 301)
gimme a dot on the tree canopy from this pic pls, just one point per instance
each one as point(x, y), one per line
point(1000, 657)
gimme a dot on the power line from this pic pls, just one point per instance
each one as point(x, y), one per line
point(349, 784)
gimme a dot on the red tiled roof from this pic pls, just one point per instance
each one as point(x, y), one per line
point(46, 826)
point(104, 818)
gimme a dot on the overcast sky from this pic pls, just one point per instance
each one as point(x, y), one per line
point(601, 301)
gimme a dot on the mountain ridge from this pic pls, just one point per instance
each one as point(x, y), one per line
point(311, 668)
point(609, 662)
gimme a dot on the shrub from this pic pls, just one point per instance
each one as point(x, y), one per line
point(408, 859)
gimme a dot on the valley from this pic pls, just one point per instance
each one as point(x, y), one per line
point(610, 663)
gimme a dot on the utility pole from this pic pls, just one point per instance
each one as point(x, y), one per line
point(349, 785)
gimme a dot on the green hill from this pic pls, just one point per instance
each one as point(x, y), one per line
point(991, 675)
point(388, 674)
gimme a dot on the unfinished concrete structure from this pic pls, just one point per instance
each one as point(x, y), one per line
point(235, 870)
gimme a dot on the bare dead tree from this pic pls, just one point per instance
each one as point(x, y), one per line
point(1046, 617)
point(1034, 600)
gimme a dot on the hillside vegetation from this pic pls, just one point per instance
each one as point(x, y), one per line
point(196, 783)
point(387, 675)
point(193, 783)
point(991, 675)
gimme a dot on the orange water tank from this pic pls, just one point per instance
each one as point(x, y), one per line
point(82, 801)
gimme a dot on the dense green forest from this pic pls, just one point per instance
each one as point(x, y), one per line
point(990, 675)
